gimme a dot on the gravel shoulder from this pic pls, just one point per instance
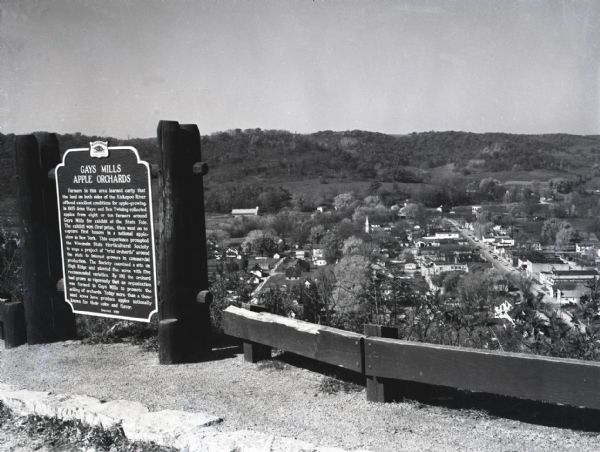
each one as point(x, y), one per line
point(276, 398)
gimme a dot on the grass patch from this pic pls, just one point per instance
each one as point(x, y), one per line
point(73, 435)
point(330, 385)
point(271, 364)
point(98, 330)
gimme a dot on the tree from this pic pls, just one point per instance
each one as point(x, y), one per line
point(353, 245)
point(566, 236)
point(344, 229)
point(331, 244)
point(316, 233)
point(273, 199)
point(344, 201)
point(260, 242)
point(352, 276)
point(491, 189)
point(414, 211)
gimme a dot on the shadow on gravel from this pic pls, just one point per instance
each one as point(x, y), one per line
point(222, 347)
point(323, 368)
point(506, 407)
point(500, 406)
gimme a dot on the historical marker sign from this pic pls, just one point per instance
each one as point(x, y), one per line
point(107, 233)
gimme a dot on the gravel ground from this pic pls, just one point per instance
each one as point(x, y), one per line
point(274, 398)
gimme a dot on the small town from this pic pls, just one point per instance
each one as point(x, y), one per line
point(408, 247)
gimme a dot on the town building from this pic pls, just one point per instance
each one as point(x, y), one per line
point(244, 212)
point(535, 263)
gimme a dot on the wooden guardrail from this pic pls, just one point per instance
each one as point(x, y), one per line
point(385, 361)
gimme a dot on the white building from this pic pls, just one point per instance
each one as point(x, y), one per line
point(244, 212)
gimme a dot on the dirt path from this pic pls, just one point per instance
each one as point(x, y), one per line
point(275, 398)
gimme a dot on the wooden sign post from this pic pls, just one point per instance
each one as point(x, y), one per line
point(45, 318)
point(184, 328)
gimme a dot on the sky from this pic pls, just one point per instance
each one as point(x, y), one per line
point(118, 67)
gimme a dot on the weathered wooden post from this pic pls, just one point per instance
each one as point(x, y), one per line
point(37, 295)
point(198, 319)
point(253, 351)
point(13, 320)
point(64, 320)
point(379, 389)
point(184, 327)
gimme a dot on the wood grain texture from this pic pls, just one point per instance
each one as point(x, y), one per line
point(63, 317)
point(171, 225)
point(330, 345)
point(13, 325)
point(555, 380)
point(36, 282)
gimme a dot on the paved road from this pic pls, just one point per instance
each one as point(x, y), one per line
point(273, 272)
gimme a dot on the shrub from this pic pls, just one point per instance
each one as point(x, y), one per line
point(98, 330)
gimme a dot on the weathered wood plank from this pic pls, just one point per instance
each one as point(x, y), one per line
point(555, 380)
point(330, 345)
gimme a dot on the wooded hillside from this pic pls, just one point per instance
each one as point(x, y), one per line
point(255, 158)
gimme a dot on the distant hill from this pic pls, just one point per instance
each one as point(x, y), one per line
point(276, 157)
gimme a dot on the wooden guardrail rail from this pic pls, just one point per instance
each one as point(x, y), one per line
point(556, 380)
point(385, 361)
point(326, 344)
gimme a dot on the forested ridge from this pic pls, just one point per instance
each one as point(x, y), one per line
point(255, 157)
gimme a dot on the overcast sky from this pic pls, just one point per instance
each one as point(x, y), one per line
point(117, 67)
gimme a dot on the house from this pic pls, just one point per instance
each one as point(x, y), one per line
point(555, 277)
point(451, 253)
point(505, 241)
point(475, 209)
point(589, 243)
point(410, 268)
point(318, 253)
point(232, 253)
point(502, 311)
point(446, 235)
point(244, 212)
point(439, 267)
point(300, 254)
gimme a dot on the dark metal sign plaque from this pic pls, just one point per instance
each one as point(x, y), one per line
point(107, 232)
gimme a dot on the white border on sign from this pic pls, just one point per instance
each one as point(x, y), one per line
point(97, 314)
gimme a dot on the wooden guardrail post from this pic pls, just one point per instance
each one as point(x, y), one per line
point(13, 324)
point(253, 351)
point(64, 319)
point(379, 389)
point(184, 327)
